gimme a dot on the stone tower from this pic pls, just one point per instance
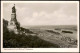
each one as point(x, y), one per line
point(14, 25)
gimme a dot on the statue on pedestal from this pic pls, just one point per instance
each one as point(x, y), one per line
point(13, 9)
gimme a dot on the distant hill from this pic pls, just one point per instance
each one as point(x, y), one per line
point(12, 40)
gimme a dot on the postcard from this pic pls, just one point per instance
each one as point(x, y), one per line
point(39, 26)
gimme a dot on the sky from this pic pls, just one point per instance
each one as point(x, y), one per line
point(42, 13)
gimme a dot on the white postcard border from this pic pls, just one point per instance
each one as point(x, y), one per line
point(38, 49)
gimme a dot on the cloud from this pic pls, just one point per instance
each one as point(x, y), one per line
point(55, 18)
point(43, 14)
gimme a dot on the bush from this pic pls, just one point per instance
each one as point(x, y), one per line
point(51, 31)
point(67, 32)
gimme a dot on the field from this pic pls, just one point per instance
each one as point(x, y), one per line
point(63, 35)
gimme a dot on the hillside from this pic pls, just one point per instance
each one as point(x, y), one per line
point(12, 40)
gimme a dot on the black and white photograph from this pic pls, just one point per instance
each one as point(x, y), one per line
point(40, 25)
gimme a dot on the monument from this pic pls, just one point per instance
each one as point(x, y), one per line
point(13, 24)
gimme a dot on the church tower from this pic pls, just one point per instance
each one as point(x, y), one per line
point(13, 25)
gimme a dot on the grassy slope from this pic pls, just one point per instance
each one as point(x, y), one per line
point(12, 40)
